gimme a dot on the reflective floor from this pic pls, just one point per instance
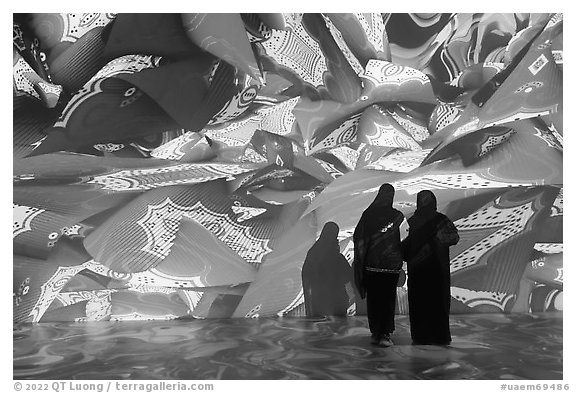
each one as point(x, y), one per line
point(486, 346)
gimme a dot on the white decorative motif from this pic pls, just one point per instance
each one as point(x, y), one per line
point(499, 224)
point(247, 213)
point(466, 128)
point(528, 87)
point(102, 270)
point(381, 72)
point(128, 64)
point(460, 181)
point(252, 156)
point(446, 114)
point(279, 161)
point(343, 134)
point(537, 263)
point(50, 88)
point(309, 196)
point(160, 224)
point(162, 221)
point(73, 230)
point(556, 18)
point(389, 136)
point(344, 234)
point(558, 56)
point(550, 297)
point(418, 131)
point(352, 60)
point(90, 89)
point(70, 298)
point(494, 141)
point(254, 312)
point(558, 136)
point(558, 205)
point(174, 149)
point(373, 25)
point(144, 288)
point(549, 248)
point(76, 25)
point(348, 156)
point(264, 32)
point(23, 177)
point(560, 275)
point(147, 179)
point(550, 138)
point(330, 168)
point(38, 142)
point(99, 308)
point(279, 119)
point(402, 161)
point(295, 49)
point(21, 83)
point(51, 288)
point(298, 300)
point(237, 104)
point(18, 37)
point(153, 279)
point(98, 303)
point(192, 298)
point(237, 237)
point(351, 311)
point(109, 147)
point(123, 65)
point(538, 64)
point(235, 134)
point(473, 298)
point(22, 218)
point(348, 251)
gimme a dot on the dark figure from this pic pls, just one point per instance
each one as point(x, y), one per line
point(378, 262)
point(426, 250)
point(325, 274)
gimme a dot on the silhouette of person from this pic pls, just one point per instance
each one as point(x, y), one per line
point(325, 275)
point(426, 251)
point(377, 263)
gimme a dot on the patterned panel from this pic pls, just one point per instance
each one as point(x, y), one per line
point(146, 179)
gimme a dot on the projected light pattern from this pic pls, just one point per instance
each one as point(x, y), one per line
point(183, 165)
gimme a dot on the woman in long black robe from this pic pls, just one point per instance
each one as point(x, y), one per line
point(325, 275)
point(426, 251)
point(378, 262)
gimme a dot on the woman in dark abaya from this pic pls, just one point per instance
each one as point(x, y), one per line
point(325, 275)
point(426, 251)
point(378, 262)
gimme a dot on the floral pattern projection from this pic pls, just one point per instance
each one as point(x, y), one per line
point(181, 165)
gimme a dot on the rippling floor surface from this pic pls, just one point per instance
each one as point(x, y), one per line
point(486, 346)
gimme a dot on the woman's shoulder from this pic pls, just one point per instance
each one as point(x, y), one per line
point(442, 217)
point(444, 221)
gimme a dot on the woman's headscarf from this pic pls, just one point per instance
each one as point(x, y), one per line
point(327, 243)
point(426, 203)
point(329, 236)
point(426, 211)
point(385, 195)
point(380, 210)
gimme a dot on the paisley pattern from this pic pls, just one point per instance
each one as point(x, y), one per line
point(173, 166)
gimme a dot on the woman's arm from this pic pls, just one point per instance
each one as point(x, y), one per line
point(447, 233)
